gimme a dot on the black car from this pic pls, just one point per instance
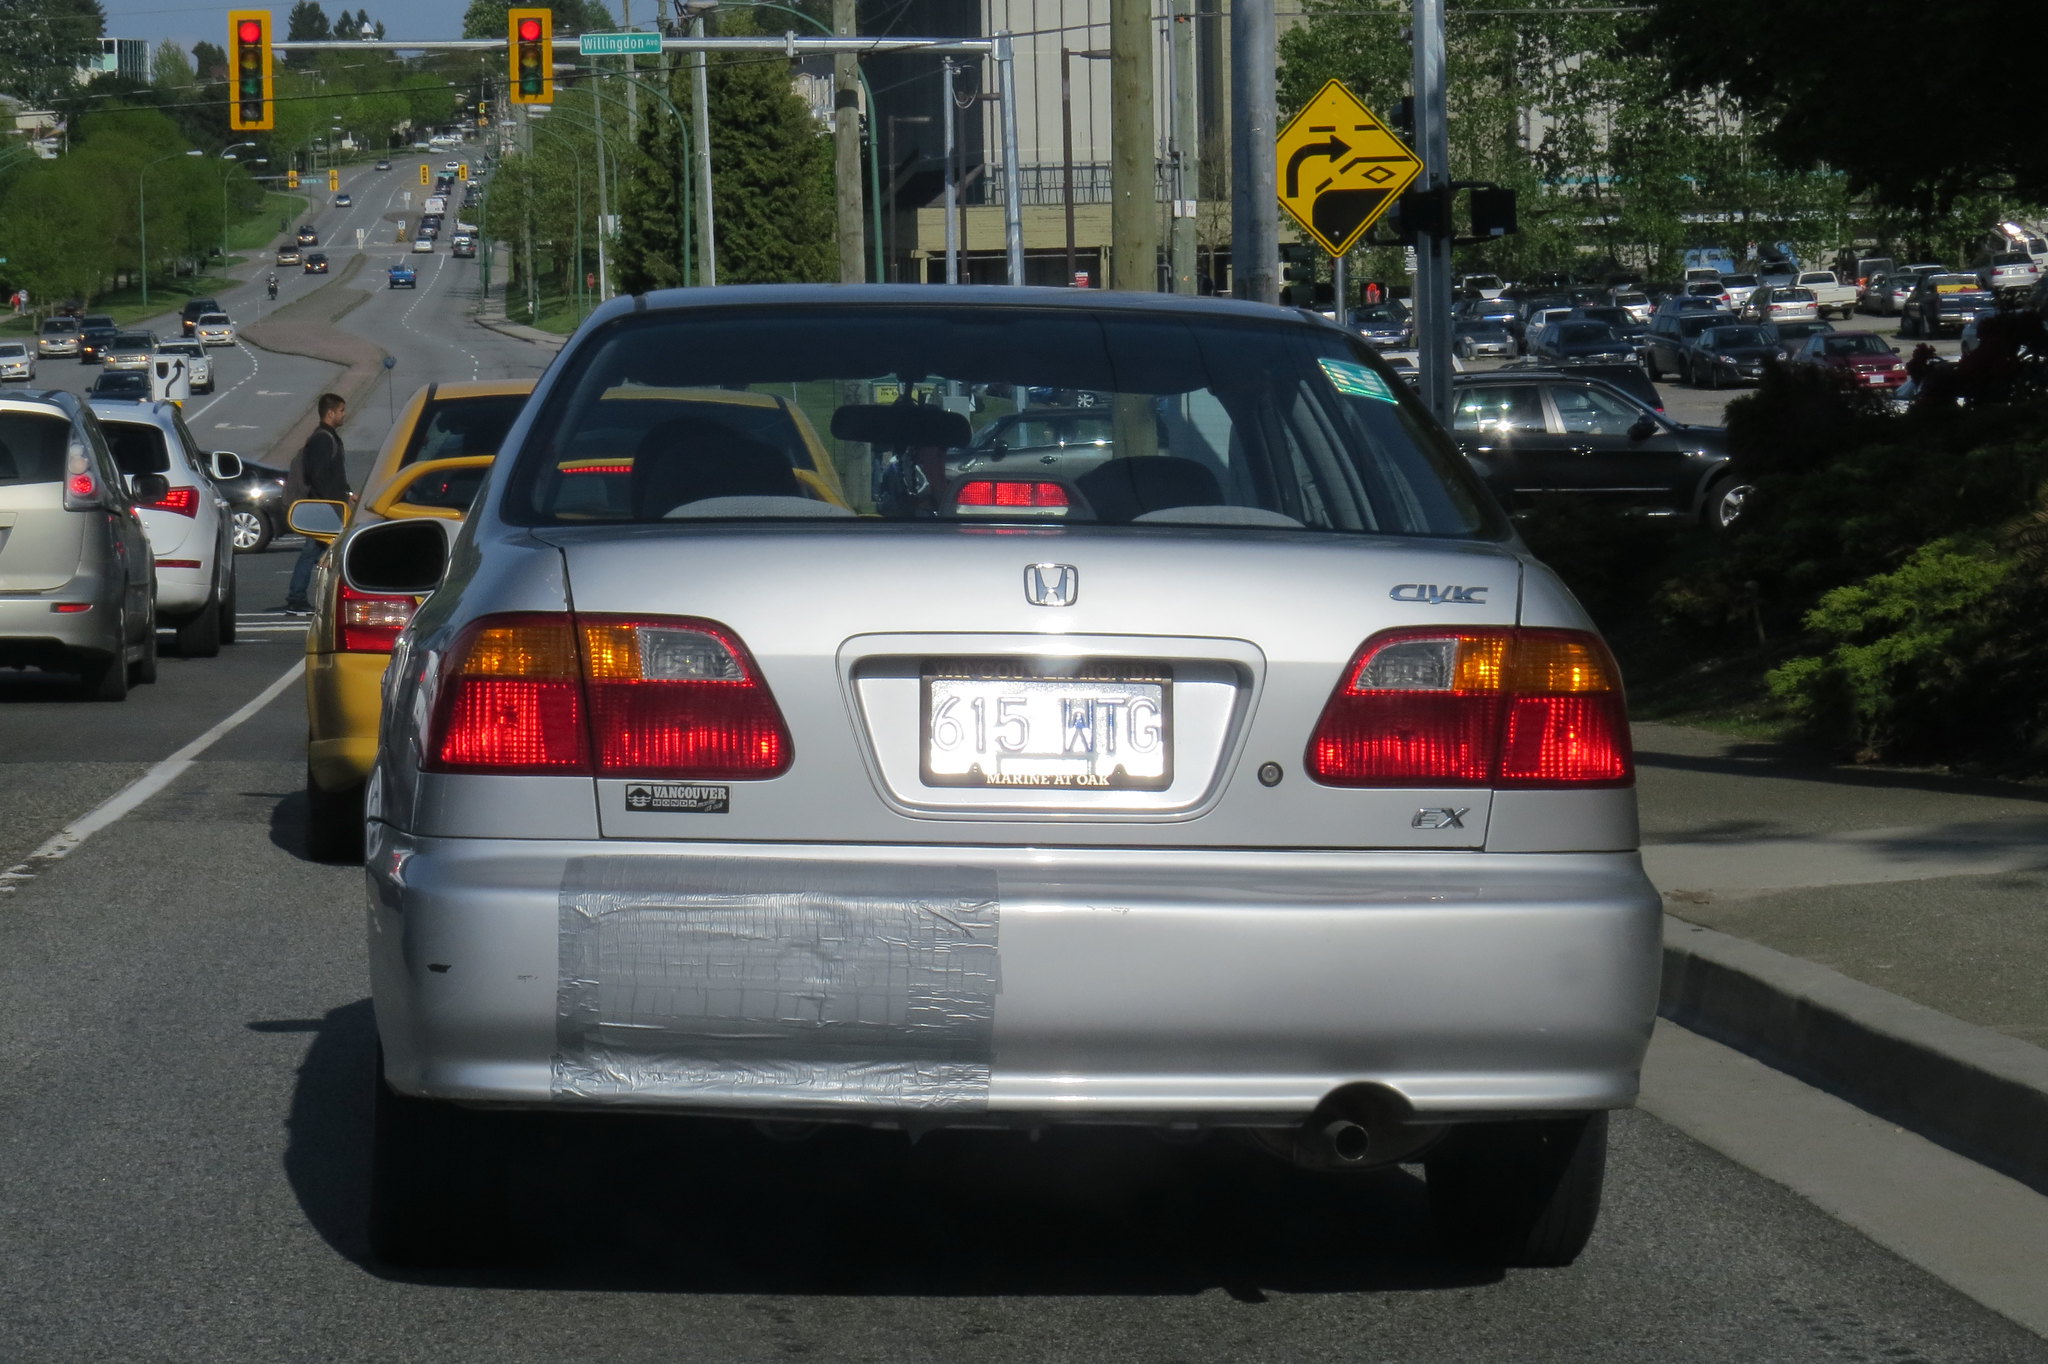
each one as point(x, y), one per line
point(1941, 303)
point(1672, 330)
point(93, 343)
point(316, 263)
point(127, 383)
point(308, 237)
point(194, 307)
point(1569, 341)
point(1541, 437)
point(1792, 335)
point(1385, 326)
point(255, 499)
point(1637, 334)
point(1734, 354)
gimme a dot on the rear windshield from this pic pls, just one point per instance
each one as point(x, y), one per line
point(463, 426)
point(137, 449)
point(1956, 284)
point(32, 446)
point(1702, 287)
point(1631, 300)
point(952, 413)
point(2012, 258)
point(1740, 281)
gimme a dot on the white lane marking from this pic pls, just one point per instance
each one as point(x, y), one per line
point(123, 802)
point(255, 366)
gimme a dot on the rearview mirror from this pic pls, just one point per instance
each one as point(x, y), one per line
point(398, 558)
point(1645, 427)
point(150, 487)
point(226, 464)
point(317, 520)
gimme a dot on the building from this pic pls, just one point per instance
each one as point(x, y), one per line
point(127, 57)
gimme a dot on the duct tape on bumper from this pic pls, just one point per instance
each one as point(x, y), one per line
point(777, 984)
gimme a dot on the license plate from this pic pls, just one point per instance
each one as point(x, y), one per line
point(1101, 723)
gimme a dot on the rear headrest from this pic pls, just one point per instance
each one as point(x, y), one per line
point(894, 426)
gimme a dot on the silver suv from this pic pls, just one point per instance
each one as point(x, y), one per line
point(189, 527)
point(77, 591)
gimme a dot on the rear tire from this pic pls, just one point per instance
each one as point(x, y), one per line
point(334, 823)
point(106, 679)
point(199, 635)
point(440, 1181)
point(1519, 1194)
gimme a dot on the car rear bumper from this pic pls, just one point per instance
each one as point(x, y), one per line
point(343, 694)
point(34, 634)
point(1008, 985)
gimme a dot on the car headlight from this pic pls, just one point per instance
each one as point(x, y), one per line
point(1726, 359)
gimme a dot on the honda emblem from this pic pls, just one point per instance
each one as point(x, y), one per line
point(1051, 584)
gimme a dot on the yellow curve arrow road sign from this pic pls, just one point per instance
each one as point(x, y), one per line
point(1340, 168)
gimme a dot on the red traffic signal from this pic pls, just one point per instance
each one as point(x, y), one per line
point(529, 30)
point(249, 108)
point(248, 31)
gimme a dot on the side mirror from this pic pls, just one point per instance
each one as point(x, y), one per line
point(317, 520)
point(226, 464)
point(398, 558)
point(150, 487)
point(1644, 428)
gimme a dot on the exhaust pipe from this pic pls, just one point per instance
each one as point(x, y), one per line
point(1344, 1142)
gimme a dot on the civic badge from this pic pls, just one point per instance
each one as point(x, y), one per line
point(1052, 584)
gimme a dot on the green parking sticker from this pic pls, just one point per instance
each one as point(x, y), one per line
point(1356, 381)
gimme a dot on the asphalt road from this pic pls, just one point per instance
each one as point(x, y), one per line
point(186, 1047)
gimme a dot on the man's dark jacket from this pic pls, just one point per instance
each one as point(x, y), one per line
point(317, 470)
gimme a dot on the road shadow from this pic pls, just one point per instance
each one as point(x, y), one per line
point(632, 1203)
point(288, 825)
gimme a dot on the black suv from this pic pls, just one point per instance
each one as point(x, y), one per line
point(194, 307)
point(1672, 330)
point(1539, 437)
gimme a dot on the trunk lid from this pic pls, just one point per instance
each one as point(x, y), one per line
point(929, 697)
point(40, 542)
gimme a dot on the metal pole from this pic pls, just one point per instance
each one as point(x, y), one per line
point(952, 185)
point(846, 148)
point(1340, 284)
point(1013, 188)
point(604, 278)
point(1432, 251)
point(700, 92)
point(1185, 191)
point(629, 62)
point(1254, 234)
point(1133, 171)
point(1066, 151)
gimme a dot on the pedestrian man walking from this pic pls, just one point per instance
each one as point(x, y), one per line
point(318, 471)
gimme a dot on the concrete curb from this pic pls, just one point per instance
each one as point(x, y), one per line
point(1977, 1092)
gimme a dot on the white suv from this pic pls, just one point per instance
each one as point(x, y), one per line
point(189, 528)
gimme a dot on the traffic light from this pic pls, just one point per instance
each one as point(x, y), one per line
point(249, 41)
point(462, 171)
point(531, 42)
point(333, 180)
point(1493, 212)
point(426, 176)
point(291, 179)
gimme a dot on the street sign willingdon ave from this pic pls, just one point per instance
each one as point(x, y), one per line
point(618, 44)
point(1340, 168)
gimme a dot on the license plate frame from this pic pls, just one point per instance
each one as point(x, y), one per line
point(1133, 703)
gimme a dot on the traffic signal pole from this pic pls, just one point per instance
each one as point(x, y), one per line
point(1432, 299)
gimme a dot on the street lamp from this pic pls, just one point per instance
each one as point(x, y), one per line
point(142, 211)
point(227, 154)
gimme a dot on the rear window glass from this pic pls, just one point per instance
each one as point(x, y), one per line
point(32, 447)
point(137, 449)
point(922, 414)
point(463, 426)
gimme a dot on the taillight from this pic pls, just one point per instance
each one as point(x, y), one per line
point(1011, 495)
point(511, 701)
point(368, 624)
point(667, 697)
point(678, 698)
point(183, 501)
point(81, 485)
point(1507, 708)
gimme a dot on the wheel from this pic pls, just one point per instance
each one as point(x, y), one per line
point(228, 602)
point(440, 1180)
point(334, 823)
point(1650, 363)
point(1725, 501)
point(1909, 327)
point(199, 634)
point(1714, 377)
point(249, 530)
point(1519, 1194)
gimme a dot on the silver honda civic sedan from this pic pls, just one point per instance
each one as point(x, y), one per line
point(998, 708)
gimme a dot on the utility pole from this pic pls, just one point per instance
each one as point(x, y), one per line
point(1180, 29)
point(952, 113)
point(604, 274)
point(1133, 172)
point(1254, 195)
point(632, 86)
point(1432, 299)
point(846, 146)
point(700, 93)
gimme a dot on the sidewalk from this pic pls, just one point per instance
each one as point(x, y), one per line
point(491, 310)
point(1877, 932)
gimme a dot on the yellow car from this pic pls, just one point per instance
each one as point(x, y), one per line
point(431, 465)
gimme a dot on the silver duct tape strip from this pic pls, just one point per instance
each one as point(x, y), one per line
point(776, 984)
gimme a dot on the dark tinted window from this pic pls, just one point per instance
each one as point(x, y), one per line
point(1738, 336)
point(137, 449)
point(32, 447)
point(463, 426)
point(1584, 331)
point(1212, 420)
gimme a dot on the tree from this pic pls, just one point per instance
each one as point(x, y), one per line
point(42, 43)
point(1792, 95)
point(171, 71)
point(307, 23)
point(209, 61)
